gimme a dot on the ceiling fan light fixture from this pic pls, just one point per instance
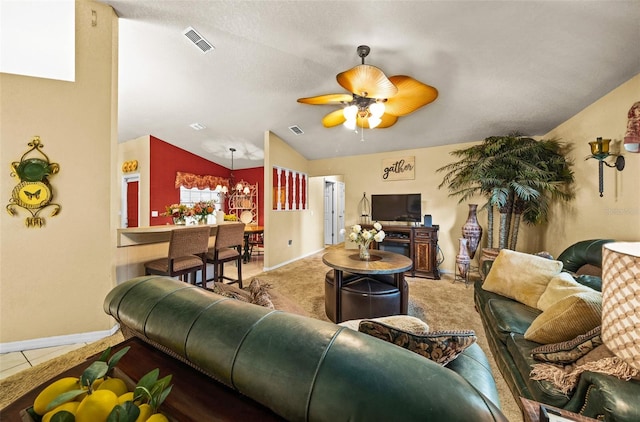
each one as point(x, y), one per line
point(377, 110)
point(350, 112)
point(374, 121)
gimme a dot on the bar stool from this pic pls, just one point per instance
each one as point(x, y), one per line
point(186, 256)
point(228, 247)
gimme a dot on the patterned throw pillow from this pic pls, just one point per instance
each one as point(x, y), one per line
point(220, 290)
point(568, 351)
point(259, 294)
point(440, 346)
point(402, 322)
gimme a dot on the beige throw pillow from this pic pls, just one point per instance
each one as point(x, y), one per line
point(566, 319)
point(521, 276)
point(560, 286)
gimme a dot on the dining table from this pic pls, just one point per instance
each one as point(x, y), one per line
point(250, 229)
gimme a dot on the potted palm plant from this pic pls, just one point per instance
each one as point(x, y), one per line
point(519, 176)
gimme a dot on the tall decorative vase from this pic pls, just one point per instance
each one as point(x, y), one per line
point(462, 259)
point(472, 231)
point(179, 221)
point(364, 252)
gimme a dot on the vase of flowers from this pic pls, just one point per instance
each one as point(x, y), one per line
point(178, 212)
point(201, 210)
point(363, 238)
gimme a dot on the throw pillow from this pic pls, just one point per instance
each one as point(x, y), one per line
point(566, 319)
point(560, 286)
point(222, 290)
point(521, 276)
point(440, 346)
point(596, 354)
point(402, 322)
point(259, 294)
point(568, 351)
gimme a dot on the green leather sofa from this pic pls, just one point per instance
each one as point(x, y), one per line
point(505, 321)
point(301, 368)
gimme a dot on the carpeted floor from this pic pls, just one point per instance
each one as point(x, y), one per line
point(444, 305)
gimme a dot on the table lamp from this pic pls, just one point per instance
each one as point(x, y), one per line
point(621, 300)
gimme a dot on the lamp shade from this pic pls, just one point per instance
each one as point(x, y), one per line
point(621, 300)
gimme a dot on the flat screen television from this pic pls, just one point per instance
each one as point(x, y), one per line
point(396, 207)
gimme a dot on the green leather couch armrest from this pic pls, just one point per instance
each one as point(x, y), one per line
point(601, 396)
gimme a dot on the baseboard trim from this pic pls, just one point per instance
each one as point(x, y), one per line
point(40, 343)
point(292, 260)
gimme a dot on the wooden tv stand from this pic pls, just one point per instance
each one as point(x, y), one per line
point(420, 243)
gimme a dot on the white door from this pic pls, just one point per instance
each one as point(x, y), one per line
point(340, 213)
point(130, 178)
point(328, 213)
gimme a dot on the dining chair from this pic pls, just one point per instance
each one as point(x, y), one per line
point(256, 240)
point(227, 248)
point(187, 255)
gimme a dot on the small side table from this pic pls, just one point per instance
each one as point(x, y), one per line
point(531, 412)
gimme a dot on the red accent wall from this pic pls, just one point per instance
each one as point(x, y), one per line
point(166, 160)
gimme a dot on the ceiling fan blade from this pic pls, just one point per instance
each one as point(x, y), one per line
point(387, 120)
point(327, 99)
point(334, 118)
point(367, 81)
point(412, 94)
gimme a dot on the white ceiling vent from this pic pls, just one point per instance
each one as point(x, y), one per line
point(199, 41)
point(296, 129)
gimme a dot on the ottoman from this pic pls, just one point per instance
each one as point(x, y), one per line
point(362, 296)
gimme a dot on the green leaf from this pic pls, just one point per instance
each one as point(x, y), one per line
point(104, 356)
point(96, 370)
point(63, 416)
point(125, 412)
point(116, 357)
point(63, 398)
point(149, 379)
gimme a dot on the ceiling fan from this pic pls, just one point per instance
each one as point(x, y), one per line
point(375, 100)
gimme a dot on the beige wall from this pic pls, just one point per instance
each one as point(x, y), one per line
point(53, 280)
point(302, 227)
point(617, 214)
point(362, 174)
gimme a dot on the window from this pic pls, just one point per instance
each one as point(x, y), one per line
point(190, 196)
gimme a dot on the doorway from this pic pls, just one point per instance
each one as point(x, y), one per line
point(334, 194)
point(130, 211)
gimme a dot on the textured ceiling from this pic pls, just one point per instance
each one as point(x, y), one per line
point(499, 66)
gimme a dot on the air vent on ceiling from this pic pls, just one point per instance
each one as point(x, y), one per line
point(296, 129)
point(199, 41)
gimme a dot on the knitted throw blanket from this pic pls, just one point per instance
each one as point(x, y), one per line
point(566, 378)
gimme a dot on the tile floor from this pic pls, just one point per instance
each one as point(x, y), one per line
point(14, 362)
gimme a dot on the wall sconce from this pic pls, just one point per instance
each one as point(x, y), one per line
point(600, 151)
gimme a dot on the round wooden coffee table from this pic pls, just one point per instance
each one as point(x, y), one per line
point(381, 262)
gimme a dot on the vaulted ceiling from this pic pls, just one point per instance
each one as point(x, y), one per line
point(499, 66)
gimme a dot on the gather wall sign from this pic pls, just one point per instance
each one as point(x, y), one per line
point(399, 168)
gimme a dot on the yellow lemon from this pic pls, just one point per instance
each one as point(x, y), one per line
point(97, 406)
point(145, 412)
point(97, 383)
point(114, 384)
point(125, 397)
point(52, 391)
point(71, 407)
point(157, 417)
